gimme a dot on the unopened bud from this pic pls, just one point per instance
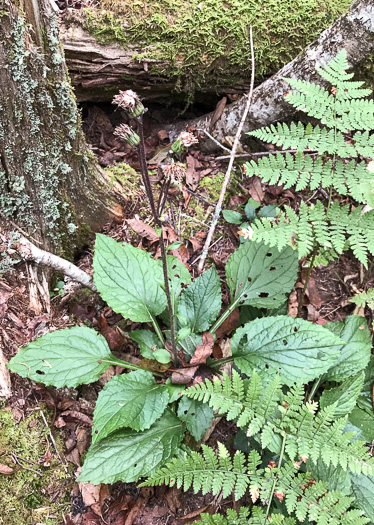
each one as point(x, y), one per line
point(125, 133)
point(129, 101)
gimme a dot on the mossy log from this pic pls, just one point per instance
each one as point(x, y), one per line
point(353, 31)
point(50, 183)
point(177, 49)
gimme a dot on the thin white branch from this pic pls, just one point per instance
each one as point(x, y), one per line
point(30, 252)
point(231, 162)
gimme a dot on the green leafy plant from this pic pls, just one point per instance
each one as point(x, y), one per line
point(320, 162)
point(252, 211)
point(308, 442)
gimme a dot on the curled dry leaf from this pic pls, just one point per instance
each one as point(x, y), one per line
point(183, 376)
point(4, 469)
point(94, 495)
point(203, 351)
point(192, 175)
point(143, 229)
point(255, 189)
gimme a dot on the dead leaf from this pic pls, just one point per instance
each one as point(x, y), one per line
point(183, 376)
point(4, 469)
point(140, 503)
point(230, 324)
point(94, 495)
point(173, 498)
point(114, 339)
point(255, 189)
point(169, 234)
point(163, 135)
point(203, 351)
point(182, 254)
point(192, 175)
point(292, 304)
point(160, 155)
point(143, 229)
point(73, 415)
point(312, 293)
point(218, 112)
point(312, 313)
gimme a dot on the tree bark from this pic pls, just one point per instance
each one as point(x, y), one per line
point(353, 31)
point(50, 184)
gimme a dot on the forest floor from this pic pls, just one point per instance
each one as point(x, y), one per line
point(39, 483)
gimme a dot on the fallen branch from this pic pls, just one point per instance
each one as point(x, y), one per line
point(353, 31)
point(30, 252)
point(218, 209)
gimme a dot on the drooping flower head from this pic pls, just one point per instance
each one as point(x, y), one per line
point(184, 141)
point(130, 102)
point(125, 133)
point(174, 171)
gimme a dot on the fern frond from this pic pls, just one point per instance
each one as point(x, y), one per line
point(303, 496)
point(364, 297)
point(209, 473)
point(257, 518)
point(338, 230)
point(302, 171)
point(300, 137)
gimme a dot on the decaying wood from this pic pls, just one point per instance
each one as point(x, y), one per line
point(30, 252)
point(353, 31)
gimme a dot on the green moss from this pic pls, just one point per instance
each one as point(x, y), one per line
point(25, 496)
point(206, 43)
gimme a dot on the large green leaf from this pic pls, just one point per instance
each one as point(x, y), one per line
point(127, 455)
point(365, 400)
point(345, 395)
point(68, 357)
point(261, 276)
point(200, 303)
point(355, 354)
point(128, 279)
point(197, 415)
point(130, 400)
point(364, 422)
point(300, 351)
point(363, 490)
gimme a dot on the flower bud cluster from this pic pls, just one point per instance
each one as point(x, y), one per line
point(184, 141)
point(130, 102)
point(125, 133)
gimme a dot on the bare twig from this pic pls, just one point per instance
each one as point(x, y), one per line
point(15, 457)
point(30, 252)
point(263, 153)
point(231, 162)
point(214, 140)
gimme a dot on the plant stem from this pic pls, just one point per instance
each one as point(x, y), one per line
point(307, 281)
point(124, 364)
point(275, 478)
point(157, 328)
point(225, 314)
point(314, 388)
point(148, 188)
point(218, 209)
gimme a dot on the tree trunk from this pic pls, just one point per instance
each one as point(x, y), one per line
point(50, 184)
point(353, 31)
point(163, 50)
